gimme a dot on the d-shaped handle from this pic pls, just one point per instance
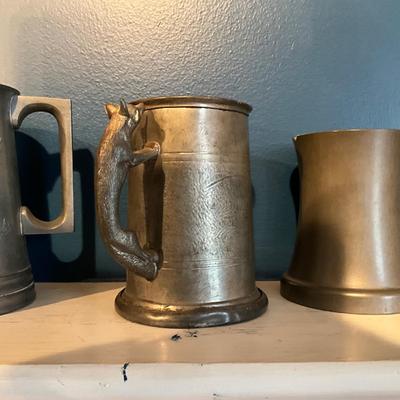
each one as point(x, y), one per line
point(21, 107)
point(114, 158)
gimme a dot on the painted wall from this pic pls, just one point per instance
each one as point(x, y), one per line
point(304, 65)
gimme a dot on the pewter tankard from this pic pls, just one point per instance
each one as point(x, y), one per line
point(347, 254)
point(188, 248)
point(16, 281)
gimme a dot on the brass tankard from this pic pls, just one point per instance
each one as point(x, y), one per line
point(347, 254)
point(16, 280)
point(188, 249)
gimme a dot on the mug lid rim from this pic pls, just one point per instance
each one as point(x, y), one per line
point(195, 102)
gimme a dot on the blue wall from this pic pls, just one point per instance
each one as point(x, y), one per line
point(303, 65)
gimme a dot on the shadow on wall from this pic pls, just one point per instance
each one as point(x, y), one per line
point(295, 191)
point(67, 71)
point(38, 173)
point(274, 210)
point(92, 66)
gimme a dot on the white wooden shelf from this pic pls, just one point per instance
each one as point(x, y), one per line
point(71, 344)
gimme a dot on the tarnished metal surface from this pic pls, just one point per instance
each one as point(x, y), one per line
point(347, 254)
point(114, 157)
point(16, 281)
point(190, 205)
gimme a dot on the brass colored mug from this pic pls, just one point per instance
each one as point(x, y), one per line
point(347, 254)
point(188, 249)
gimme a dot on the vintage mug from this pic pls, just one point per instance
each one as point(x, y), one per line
point(188, 250)
point(16, 280)
point(347, 253)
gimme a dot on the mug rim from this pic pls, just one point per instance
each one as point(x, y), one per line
point(8, 89)
point(349, 130)
point(219, 103)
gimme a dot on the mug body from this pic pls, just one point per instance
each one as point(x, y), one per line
point(347, 253)
point(16, 280)
point(193, 205)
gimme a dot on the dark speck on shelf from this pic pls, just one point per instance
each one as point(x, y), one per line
point(176, 337)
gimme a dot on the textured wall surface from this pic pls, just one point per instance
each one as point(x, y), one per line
point(304, 65)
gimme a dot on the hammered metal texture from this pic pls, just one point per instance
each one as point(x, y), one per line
point(192, 207)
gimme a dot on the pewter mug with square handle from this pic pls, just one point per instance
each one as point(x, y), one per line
point(16, 280)
point(188, 249)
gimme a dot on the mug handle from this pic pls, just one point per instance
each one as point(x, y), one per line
point(114, 158)
point(21, 107)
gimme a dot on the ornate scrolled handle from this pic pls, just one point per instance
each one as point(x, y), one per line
point(114, 157)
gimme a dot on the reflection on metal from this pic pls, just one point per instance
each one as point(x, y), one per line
point(347, 254)
point(16, 281)
point(188, 252)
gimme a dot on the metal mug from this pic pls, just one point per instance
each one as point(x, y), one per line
point(347, 253)
point(188, 250)
point(16, 280)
